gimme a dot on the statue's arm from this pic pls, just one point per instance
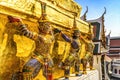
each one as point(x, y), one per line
point(65, 37)
point(74, 44)
point(32, 35)
point(83, 39)
point(22, 29)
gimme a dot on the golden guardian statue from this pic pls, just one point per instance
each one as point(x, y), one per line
point(89, 47)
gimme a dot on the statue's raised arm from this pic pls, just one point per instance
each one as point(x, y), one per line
point(22, 29)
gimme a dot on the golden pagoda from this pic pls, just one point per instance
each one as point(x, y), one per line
point(15, 50)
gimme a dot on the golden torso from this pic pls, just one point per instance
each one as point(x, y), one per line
point(45, 46)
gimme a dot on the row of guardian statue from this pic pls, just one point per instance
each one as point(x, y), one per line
point(49, 36)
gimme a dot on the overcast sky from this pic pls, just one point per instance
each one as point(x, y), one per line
point(96, 9)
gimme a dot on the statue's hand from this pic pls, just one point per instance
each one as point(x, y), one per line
point(56, 30)
point(15, 21)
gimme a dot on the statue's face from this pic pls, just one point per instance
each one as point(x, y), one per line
point(44, 27)
point(76, 33)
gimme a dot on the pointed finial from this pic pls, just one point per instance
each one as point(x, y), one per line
point(84, 15)
point(86, 9)
point(74, 23)
point(43, 17)
point(104, 11)
point(75, 28)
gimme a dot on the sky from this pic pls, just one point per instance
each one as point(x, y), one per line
point(96, 9)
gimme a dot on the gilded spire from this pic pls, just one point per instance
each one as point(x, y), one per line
point(43, 17)
point(74, 23)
